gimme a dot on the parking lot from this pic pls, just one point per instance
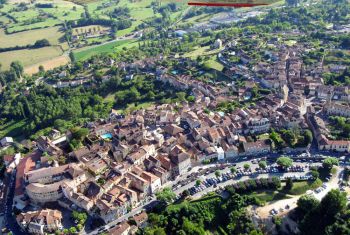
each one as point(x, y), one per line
point(204, 183)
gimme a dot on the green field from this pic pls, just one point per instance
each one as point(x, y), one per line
point(33, 17)
point(303, 186)
point(29, 56)
point(267, 196)
point(29, 37)
point(212, 64)
point(85, 53)
point(12, 128)
point(201, 51)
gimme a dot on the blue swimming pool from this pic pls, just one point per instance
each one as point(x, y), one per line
point(107, 136)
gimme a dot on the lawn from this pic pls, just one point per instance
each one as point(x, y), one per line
point(302, 187)
point(85, 53)
point(53, 34)
point(212, 64)
point(29, 57)
point(132, 107)
point(268, 196)
point(12, 128)
point(201, 51)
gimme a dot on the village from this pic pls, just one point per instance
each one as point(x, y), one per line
point(126, 159)
point(216, 109)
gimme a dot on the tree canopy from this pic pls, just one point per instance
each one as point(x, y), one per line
point(284, 162)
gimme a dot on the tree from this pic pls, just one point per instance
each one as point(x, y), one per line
point(284, 162)
point(79, 227)
point(80, 217)
point(246, 166)
point(315, 174)
point(233, 170)
point(41, 43)
point(17, 67)
point(262, 164)
point(289, 184)
point(333, 203)
point(198, 182)
point(292, 3)
point(80, 133)
point(341, 225)
point(307, 203)
point(324, 214)
point(308, 137)
point(72, 57)
point(289, 137)
point(217, 173)
point(41, 69)
point(166, 195)
point(329, 162)
point(72, 230)
point(186, 193)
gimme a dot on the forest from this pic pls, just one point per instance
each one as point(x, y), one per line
point(331, 214)
point(211, 213)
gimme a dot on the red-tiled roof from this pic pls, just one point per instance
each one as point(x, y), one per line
point(26, 164)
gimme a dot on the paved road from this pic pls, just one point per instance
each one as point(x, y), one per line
point(10, 221)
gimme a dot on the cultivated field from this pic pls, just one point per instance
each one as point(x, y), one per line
point(30, 57)
point(85, 53)
point(29, 37)
point(28, 23)
point(48, 64)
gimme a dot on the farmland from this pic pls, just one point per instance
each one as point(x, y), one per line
point(47, 64)
point(33, 17)
point(24, 22)
point(105, 48)
point(30, 56)
point(53, 34)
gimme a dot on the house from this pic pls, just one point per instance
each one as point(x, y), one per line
point(141, 219)
point(333, 145)
point(6, 141)
point(139, 183)
point(40, 222)
point(256, 148)
point(337, 109)
point(120, 229)
point(46, 145)
point(259, 125)
point(182, 163)
point(154, 181)
point(217, 44)
point(8, 159)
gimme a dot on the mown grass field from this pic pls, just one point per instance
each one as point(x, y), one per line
point(29, 57)
point(268, 196)
point(85, 53)
point(53, 34)
point(47, 64)
point(302, 187)
point(201, 51)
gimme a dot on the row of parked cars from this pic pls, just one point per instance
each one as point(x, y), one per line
point(320, 189)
